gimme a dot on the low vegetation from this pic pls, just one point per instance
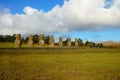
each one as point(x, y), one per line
point(68, 64)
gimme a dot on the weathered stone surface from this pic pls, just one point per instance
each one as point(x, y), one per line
point(30, 42)
point(69, 42)
point(51, 41)
point(41, 41)
point(18, 41)
point(76, 42)
point(60, 43)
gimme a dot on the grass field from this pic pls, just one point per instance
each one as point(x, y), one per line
point(24, 45)
point(69, 64)
point(12, 45)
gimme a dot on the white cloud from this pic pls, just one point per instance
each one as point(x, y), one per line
point(73, 15)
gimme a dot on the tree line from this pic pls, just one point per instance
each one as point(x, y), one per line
point(11, 38)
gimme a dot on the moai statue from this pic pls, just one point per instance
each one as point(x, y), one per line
point(60, 43)
point(69, 42)
point(41, 41)
point(18, 41)
point(76, 42)
point(30, 41)
point(52, 41)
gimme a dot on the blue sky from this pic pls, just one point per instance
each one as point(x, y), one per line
point(16, 6)
point(90, 32)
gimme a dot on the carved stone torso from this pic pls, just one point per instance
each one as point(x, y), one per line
point(60, 43)
point(51, 41)
point(76, 42)
point(30, 42)
point(18, 41)
point(41, 41)
point(69, 42)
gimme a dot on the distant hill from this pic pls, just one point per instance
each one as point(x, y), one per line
point(111, 44)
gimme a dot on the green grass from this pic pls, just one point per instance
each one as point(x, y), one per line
point(12, 45)
point(83, 64)
point(24, 45)
point(6, 45)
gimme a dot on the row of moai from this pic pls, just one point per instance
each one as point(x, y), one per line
point(18, 42)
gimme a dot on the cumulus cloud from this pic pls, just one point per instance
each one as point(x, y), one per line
point(74, 15)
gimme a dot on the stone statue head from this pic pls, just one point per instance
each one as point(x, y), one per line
point(41, 36)
point(60, 38)
point(69, 39)
point(30, 37)
point(52, 37)
point(18, 36)
point(76, 39)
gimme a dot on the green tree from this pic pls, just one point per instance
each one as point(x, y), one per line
point(72, 43)
point(89, 44)
point(26, 39)
point(35, 38)
point(65, 43)
point(100, 45)
point(80, 42)
point(7, 38)
point(47, 39)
